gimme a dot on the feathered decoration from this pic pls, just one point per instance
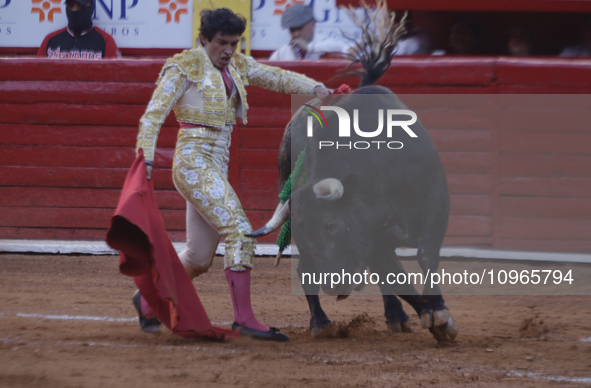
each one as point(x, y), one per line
point(380, 34)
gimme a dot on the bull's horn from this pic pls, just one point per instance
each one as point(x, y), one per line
point(330, 189)
point(281, 215)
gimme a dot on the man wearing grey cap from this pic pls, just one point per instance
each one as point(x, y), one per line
point(80, 39)
point(299, 19)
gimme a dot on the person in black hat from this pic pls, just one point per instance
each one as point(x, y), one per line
point(299, 19)
point(80, 39)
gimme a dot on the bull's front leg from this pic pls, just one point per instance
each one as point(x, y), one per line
point(318, 318)
point(435, 315)
point(384, 262)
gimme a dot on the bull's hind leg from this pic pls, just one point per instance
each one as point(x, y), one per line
point(318, 318)
point(435, 315)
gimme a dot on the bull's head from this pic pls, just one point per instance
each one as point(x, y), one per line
point(330, 227)
point(328, 221)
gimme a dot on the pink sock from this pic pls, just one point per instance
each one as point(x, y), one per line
point(239, 283)
point(147, 311)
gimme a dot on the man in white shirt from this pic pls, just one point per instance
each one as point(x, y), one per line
point(301, 23)
point(583, 49)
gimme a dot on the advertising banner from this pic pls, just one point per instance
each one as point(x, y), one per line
point(132, 23)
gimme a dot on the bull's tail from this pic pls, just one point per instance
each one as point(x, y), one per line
point(380, 34)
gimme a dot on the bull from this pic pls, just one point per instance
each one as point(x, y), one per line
point(358, 205)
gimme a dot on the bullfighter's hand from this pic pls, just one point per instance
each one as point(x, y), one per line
point(148, 170)
point(321, 91)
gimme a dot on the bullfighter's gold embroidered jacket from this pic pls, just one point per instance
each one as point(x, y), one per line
point(191, 86)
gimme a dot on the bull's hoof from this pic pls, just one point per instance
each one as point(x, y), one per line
point(426, 319)
point(447, 332)
point(441, 324)
point(319, 328)
point(316, 331)
point(399, 327)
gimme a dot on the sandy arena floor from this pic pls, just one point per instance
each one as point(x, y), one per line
point(67, 321)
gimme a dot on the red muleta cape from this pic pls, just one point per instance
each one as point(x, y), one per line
point(137, 231)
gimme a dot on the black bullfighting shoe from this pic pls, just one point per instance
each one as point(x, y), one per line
point(149, 325)
point(273, 334)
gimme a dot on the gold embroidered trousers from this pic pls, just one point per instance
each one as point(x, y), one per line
point(199, 173)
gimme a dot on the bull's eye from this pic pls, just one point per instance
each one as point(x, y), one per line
point(329, 226)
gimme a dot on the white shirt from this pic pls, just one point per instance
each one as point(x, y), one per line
point(415, 44)
point(315, 50)
point(576, 51)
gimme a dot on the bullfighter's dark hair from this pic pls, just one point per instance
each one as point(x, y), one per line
point(221, 20)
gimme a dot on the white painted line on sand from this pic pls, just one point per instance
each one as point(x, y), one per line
point(101, 248)
point(104, 319)
point(539, 376)
point(75, 317)
point(67, 247)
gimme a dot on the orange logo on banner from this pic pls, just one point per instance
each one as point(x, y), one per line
point(50, 6)
point(173, 7)
point(282, 5)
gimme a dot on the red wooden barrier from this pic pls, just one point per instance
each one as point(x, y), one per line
point(68, 131)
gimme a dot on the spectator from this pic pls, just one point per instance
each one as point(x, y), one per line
point(301, 23)
point(520, 42)
point(80, 39)
point(415, 40)
point(583, 49)
point(464, 38)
